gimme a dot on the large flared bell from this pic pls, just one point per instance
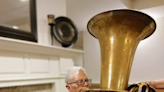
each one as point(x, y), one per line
point(119, 32)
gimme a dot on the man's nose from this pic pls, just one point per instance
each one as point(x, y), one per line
point(87, 84)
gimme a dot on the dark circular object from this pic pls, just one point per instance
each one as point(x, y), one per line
point(65, 31)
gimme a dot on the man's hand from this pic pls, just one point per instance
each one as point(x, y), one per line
point(158, 84)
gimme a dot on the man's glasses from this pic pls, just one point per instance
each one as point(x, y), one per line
point(82, 82)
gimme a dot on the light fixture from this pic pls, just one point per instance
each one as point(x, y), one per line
point(15, 27)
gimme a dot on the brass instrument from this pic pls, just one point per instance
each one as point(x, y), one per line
point(119, 32)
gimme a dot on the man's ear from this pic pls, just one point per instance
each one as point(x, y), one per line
point(68, 87)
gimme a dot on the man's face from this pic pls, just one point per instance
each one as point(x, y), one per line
point(77, 76)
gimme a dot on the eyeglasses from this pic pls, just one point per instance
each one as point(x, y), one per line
point(82, 82)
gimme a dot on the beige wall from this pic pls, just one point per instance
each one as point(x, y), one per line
point(143, 4)
point(148, 61)
point(91, 56)
point(127, 3)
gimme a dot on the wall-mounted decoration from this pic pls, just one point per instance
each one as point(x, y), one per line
point(64, 30)
point(18, 19)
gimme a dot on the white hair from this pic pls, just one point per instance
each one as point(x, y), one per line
point(73, 70)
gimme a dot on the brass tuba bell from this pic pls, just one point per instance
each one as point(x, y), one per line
point(119, 33)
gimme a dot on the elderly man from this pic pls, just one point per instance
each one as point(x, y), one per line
point(76, 79)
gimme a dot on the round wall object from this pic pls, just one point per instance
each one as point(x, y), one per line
point(65, 31)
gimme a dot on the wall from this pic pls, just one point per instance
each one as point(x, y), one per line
point(148, 60)
point(143, 4)
point(45, 7)
point(91, 56)
point(128, 3)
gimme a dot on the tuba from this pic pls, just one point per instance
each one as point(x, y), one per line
point(119, 33)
